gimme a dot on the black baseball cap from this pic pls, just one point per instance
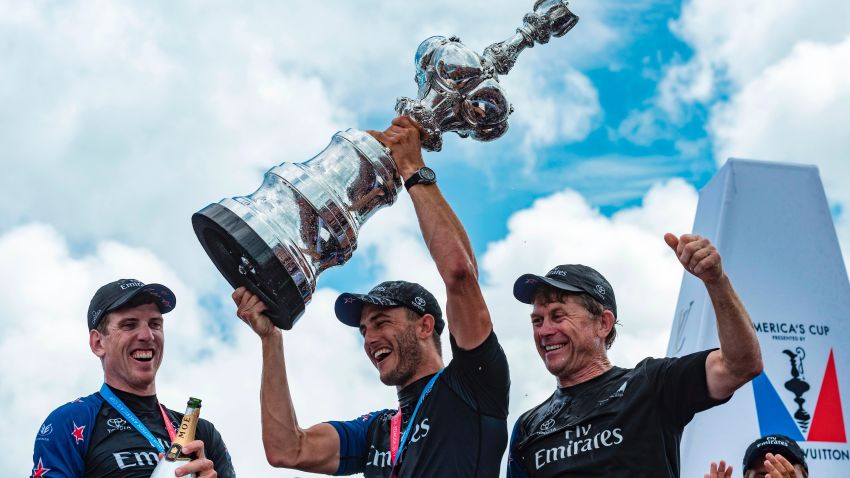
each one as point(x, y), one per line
point(569, 277)
point(114, 295)
point(776, 444)
point(397, 293)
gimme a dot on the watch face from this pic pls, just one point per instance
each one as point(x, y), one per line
point(428, 174)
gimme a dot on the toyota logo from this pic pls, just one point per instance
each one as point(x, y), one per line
point(547, 425)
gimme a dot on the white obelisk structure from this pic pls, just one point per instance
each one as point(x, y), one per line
point(773, 227)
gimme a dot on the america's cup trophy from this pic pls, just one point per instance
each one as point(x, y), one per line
point(304, 218)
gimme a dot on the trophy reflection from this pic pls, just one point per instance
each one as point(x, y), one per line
point(305, 217)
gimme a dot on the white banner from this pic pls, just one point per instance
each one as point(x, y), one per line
point(773, 228)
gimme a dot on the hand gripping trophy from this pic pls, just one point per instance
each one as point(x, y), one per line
point(304, 218)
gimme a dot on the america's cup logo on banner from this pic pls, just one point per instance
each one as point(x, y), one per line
point(827, 418)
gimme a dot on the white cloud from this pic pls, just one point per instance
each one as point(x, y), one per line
point(567, 116)
point(121, 123)
point(772, 75)
point(794, 111)
point(643, 127)
point(685, 84)
point(733, 43)
point(744, 38)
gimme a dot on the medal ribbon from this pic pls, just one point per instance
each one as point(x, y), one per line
point(125, 412)
point(396, 445)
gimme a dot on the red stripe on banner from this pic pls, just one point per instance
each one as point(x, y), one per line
point(828, 420)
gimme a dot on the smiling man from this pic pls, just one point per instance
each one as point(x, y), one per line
point(607, 421)
point(450, 422)
point(121, 430)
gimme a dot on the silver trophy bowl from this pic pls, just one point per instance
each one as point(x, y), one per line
point(305, 217)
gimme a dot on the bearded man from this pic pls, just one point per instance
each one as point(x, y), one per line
point(450, 422)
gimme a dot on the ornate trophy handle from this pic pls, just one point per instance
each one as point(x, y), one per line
point(549, 18)
point(459, 89)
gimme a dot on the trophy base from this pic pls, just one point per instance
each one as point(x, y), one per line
point(246, 260)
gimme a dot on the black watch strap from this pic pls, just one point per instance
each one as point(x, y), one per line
point(424, 175)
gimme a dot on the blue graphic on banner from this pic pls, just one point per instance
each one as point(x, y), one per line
point(773, 416)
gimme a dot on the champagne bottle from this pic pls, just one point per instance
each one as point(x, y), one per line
point(175, 458)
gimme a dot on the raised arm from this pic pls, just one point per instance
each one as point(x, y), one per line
point(287, 445)
point(739, 359)
point(467, 314)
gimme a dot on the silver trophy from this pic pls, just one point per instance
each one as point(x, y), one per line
point(304, 218)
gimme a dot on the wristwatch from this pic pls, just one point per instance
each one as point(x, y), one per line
point(425, 175)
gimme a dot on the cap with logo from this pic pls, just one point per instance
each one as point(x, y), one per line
point(569, 277)
point(777, 444)
point(114, 295)
point(390, 294)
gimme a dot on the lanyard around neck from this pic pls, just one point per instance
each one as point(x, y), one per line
point(131, 417)
point(396, 444)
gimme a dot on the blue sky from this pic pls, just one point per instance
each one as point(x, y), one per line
point(626, 80)
point(119, 120)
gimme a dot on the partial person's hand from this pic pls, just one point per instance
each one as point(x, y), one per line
point(200, 466)
point(697, 255)
point(249, 309)
point(403, 139)
point(719, 471)
point(778, 467)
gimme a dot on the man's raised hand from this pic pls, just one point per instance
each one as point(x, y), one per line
point(403, 139)
point(250, 309)
point(697, 256)
point(719, 470)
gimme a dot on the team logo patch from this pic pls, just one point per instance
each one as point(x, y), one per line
point(554, 407)
point(126, 285)
point(46, 429)
point(95, 313)
point(116, 424)
point(617, 394)
point(620, 391)
point(78, 433)
point(39, 471)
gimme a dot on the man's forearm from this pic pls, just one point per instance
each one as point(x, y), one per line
point(443, 233)
point(468, 317)
point(281, 434)
point(738, 342)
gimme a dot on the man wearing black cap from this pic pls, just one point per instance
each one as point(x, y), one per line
point(771, 456)
point(775, 456)
point(450, 422)
point(121, 430)
point(610, 421)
